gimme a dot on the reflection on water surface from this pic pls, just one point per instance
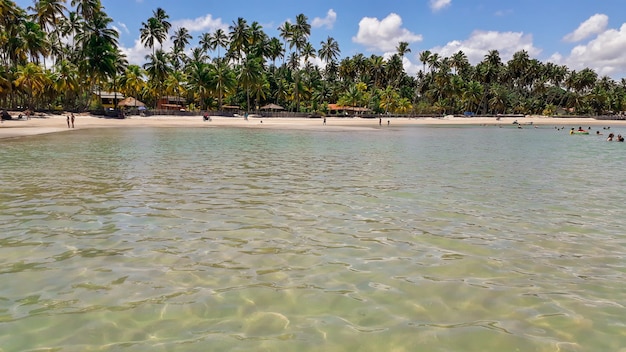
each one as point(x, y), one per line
point(456, 238)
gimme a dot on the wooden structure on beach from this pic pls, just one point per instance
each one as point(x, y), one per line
point(108, 100)
point(336, 109)
point(171, 103)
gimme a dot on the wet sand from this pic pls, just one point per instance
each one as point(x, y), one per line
point(57, 123)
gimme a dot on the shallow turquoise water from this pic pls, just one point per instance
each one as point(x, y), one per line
point(398, 239)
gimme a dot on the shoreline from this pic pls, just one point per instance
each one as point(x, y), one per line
point(57, 123)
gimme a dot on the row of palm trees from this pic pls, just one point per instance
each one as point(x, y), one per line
point(58, 56)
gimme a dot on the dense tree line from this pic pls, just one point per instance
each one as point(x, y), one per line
point(55, 56)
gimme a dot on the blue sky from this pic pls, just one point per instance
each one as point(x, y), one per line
point(578, 33)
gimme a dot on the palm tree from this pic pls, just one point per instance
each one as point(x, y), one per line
point(286, 32)
point(174, 84)
point(329, 50)
point(308, 52)
point(181, 38)
point(99, 52)
point(459, 61)
point(472, 94)
point(34, 41)
point(352, 97)
point(199, 79)
point(132, 82)
point(49, 14)
point(302, 28)
point(239, 37)
point(403, 48)
point(150, 32)
point(87, 9)
point(224, 80)
point(250, 73)
point(31, 79)
point(66, 81)
point(157, 69)
point(161, 16)
point(425, 58)
point(205, 42)
point(219, 40)
point(275, 50)
point(388, 99)
point(377, 69)
point(395, 70)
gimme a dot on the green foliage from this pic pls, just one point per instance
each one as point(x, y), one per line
point(69, 53)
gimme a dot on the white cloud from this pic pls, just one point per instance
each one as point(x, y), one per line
point(481, 42)
point(136, 55)
point(123, 26)
point(593, 25)
point(604, 54)
point(383, 35)
point(328, 21)
point(437, 5)
point(200, 24)
point(501, 13)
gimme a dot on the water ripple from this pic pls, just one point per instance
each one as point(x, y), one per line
point(449, 239)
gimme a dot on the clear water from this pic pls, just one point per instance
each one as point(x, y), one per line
point(399, 239)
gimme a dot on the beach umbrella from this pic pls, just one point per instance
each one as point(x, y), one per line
point(272, 107)
point(130, 101)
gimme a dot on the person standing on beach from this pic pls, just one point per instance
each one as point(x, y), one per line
point(72, 120)
point(68, 121)
point(380, 121)
point(324, 121)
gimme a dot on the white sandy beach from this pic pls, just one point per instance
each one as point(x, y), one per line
point(57, 123)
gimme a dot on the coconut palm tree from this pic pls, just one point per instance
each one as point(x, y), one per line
point(161, 16)
point(239, 37)
point(403, 48)
point(275, 50)
point(175, 84)
point(99, 51)
point(181, 38)
point(35, 41)
point(49, 14)
point(308, 52)
point(87, 9)
point(250, 74)
point(150, 32)
point(224, 80)
point(199, 79)
point(32, 80)
point(157, 68)
point(132, 81)
point(66, 81)
point(286, 32)
point(219, 40)
point(329, 50)
point(205, 42)
point(425, 58)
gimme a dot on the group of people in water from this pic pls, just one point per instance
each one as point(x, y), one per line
point(612, 138)
point(580, 130)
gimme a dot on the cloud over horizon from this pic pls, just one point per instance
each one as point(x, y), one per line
point(384, 35)
point(328, 21)
point(593, 25)
point(438, 5)
point(481, 42)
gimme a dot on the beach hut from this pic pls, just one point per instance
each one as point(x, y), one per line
point(131, 102)
point(272, 107)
